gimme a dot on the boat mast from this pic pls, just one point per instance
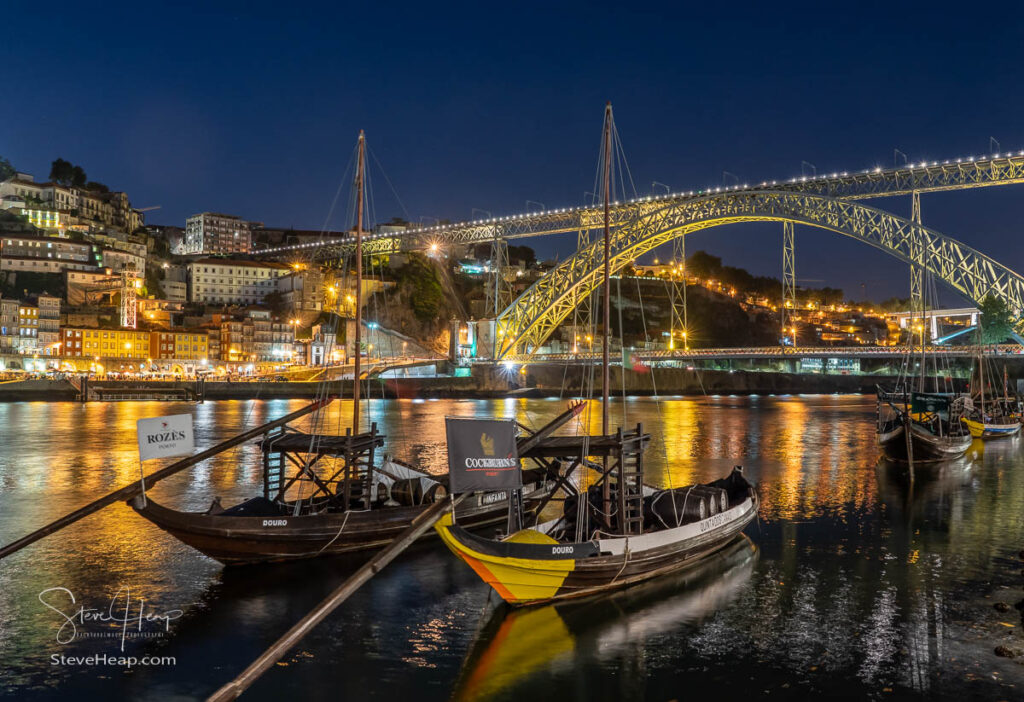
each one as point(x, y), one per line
point(981, 380)
point(606, 374)
point(359, 282)
point(606, 490)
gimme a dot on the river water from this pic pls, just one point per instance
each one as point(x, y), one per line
point(852, 583)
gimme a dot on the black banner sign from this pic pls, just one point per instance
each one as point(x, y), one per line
point(928, 403)
point(482, 455)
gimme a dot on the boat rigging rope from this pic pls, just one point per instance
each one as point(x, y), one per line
point(657, 397)
point(343, 523)
point(625, 561)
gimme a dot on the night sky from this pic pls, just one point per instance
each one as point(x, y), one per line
point(253, 109)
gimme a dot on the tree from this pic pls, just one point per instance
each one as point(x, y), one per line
point(61, 171)
point(522, 253)
point(275, 301)
point(996, 320)
point(96, 187)
point(66, 173)
point(420, 279)
point(6, 169)
point(703, 265)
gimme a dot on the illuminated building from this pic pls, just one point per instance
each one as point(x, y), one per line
point(105, 343)
point(211, 232)
point(179, 345)
point(219, 281)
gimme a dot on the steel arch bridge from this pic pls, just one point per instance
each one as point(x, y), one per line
point(535, 314)
point(924, 177)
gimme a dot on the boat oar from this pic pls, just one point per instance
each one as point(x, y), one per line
point(130, 491)
point(273, 654)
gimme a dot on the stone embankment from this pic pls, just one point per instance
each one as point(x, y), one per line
point(485, 382)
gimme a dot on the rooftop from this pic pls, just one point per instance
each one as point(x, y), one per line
point(233, 262)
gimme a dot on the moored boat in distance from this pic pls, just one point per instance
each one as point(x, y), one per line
point(991, 417)
point(990, 429)
point(921, 427)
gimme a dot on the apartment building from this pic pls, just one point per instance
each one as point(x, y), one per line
point(212, 232)
point(105, 343)
point(257, 339)
point(223, 282)
point(302, 290)
point(179, 345)
point(9, 325)
point(44, 254)
point(48, 325)
point(111, 208)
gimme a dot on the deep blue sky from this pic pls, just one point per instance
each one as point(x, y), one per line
point(253, 108)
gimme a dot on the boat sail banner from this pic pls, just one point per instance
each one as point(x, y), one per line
point(160, 437)
point(930, 403)
point(482, 455)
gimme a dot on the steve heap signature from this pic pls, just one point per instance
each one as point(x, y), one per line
point(122, 611)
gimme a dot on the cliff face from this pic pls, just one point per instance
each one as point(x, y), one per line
point(713, 320)
point(418, 305)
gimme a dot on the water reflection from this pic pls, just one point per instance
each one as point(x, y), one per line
point(517, 644)
point(862, 582)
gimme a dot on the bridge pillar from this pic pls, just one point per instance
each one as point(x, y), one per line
point(499, 293)
point(678, 333)
point(788, 279)
point(916, 268)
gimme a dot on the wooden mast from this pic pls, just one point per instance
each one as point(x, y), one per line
point(606, 311)
point(606, 307)
point(357, 340)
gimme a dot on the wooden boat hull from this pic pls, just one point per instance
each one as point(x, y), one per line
point(926, 446)
point(526, 573)
point(237, 540)
point(988, 430)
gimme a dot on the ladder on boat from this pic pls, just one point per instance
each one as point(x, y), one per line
point(628, 483)
point(357, 475)
point(273, 465)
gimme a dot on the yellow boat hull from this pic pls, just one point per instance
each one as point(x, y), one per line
point(984, 430)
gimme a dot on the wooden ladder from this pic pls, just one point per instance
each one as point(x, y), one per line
point(273, 466)
point(630, 481)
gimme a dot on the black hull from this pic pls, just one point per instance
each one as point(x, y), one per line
point(239, 540)
point(926, 447)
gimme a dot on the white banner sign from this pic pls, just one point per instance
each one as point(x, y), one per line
point(160, 437)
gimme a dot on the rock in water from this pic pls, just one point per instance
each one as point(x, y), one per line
point(1004, 652)
point(1001, 607)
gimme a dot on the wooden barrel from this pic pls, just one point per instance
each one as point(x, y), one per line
point(407, 492)
point(672, 508)
point(410, 492)
point(718, 499)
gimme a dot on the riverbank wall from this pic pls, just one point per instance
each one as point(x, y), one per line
point(485, 382)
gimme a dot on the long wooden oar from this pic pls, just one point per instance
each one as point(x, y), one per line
point(280, 647)
point(130, 491)
point(419, 525)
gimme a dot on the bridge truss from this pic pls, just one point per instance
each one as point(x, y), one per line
point(935, 176)
point(532, 317)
